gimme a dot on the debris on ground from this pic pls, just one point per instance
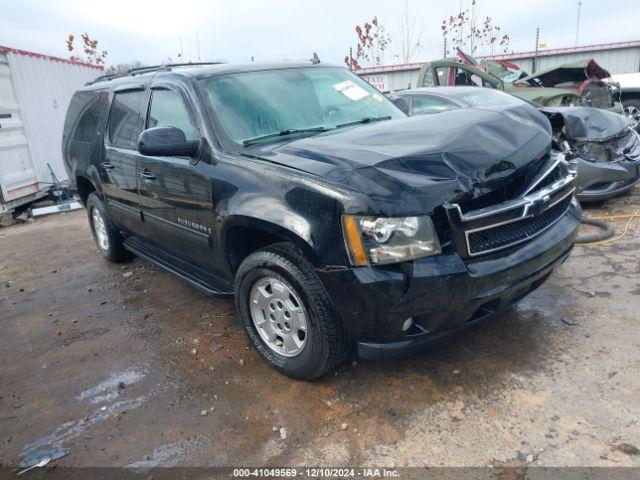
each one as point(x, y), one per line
point(121, 385)
point(204, 413)
point(35, 457)
point(127, 274)
point(626, 448)
point(568, 321)
point(194, 351)
point(217, 346)
point(241, 362)
point(283, 433)
point(40, 464)
point(344, 426)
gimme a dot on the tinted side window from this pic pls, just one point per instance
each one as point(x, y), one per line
point(90, 117)
point(125, 122)
point(425, 104)
point(85, 116)
point(168, 110)
point(401, 102)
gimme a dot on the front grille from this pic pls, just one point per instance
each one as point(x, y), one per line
point(502, 236)
point(502, 225)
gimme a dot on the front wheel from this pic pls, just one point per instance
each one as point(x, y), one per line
point(287, 313)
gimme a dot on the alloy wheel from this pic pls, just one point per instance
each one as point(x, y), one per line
point(100, 230)
point(279, 316)
point(633, 113)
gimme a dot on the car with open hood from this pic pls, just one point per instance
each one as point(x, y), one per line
point(579, 83)
point(332, 217)
point(604, 145)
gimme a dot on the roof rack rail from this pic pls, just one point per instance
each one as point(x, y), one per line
point(153, 68)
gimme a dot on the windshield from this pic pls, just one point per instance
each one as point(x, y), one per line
point(276, 102)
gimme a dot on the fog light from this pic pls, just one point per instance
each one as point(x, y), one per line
point(408, 323)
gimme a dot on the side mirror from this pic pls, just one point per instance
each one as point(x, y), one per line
point(167, 142)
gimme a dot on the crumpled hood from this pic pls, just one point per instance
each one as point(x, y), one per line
point(588, 123)
point(416, 164)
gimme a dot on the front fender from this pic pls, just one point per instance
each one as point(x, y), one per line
point(279, 224)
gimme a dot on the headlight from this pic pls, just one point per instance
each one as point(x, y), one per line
point(381, 240)
point(592, 151)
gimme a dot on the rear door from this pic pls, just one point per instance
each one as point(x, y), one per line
point(175, 192)
point(118, 167)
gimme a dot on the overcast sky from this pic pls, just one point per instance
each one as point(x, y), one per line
point(153, 31)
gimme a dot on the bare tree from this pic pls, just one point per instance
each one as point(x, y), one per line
point(373, 41)
point(409, 37)
point(472, 34)
point(89, 48)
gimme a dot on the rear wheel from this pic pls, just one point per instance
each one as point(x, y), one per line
point(107, 237)
point(287, 313)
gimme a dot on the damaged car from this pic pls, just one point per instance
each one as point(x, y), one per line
point(331, 216)
point(604, 145)
point(580, 83)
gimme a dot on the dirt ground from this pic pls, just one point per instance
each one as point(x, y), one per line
point(117, 363)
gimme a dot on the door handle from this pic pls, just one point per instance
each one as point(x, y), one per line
point(108, 165)
point(147, 176)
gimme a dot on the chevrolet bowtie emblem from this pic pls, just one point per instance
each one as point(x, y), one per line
point(537, 206)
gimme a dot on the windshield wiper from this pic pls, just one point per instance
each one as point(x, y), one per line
point(364, 120)
point(284, 133)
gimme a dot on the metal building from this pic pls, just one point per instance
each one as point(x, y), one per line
point(35, 91)
point(621, 57)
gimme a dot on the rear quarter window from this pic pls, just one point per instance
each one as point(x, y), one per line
point(85, 116)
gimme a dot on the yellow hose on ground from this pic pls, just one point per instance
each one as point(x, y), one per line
point(609, 241)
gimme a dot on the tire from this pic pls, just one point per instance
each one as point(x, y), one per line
point(107, 237)
point(324, 344)
point(632, 110)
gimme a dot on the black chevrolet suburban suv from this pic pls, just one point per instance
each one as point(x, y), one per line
point(332, 217)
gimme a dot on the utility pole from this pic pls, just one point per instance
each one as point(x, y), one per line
point(444, 53)
point(578, 21)
point(535, 56)
point(350, 58)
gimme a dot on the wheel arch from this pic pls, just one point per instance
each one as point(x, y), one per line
point(242, 235)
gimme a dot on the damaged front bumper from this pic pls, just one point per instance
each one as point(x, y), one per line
point(600, 181)
point(444, 293)
point(614, 170)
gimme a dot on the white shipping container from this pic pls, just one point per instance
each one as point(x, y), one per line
point(35, 91)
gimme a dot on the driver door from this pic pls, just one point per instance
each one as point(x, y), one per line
point(175, 195)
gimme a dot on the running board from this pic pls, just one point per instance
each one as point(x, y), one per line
point(155, 256)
